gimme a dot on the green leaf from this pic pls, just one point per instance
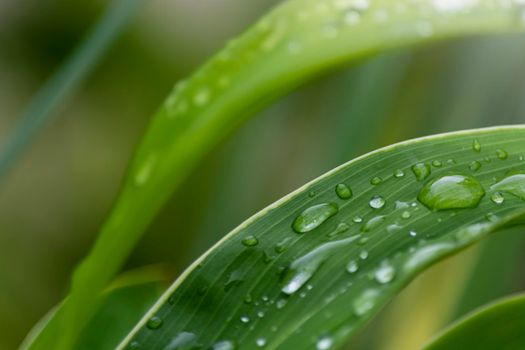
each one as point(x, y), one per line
point(62, 84)
point(313, 268)
point(294, 43)
point(119, 308)
point(499, 325)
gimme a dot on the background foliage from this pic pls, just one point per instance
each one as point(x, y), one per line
point(54, 200)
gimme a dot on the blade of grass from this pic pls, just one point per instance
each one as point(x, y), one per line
point(66, 80)
point(266, 284)
point(500, 325)
point(294, 43)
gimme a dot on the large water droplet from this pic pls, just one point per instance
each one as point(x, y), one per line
point(377, 202)
point(250, 241)
point(451, 192)
point(365, 302)
point(154, 323)
point(224, 345)
point(512, 184)
point(314, 216)
point(304, 267)
point(343, 191)
point(421, 171)
point(385, 273)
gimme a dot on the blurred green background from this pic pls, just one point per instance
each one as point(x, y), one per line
point(56, 195)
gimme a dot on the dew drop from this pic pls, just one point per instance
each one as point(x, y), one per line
point(476, 146)
point(374, 222)
point(385, 273)
point(423, 256)
point(497, 198)
point(437, 164)
point(377, 202)
point(365, 302)
point(314, 216)
point(282, 245)
point(474, 165)
point(352, 266)
point(421, 171)
point(406, 214)
point(343, 191)
point(154, 323)
point(134, 345)
point(281, 303)
point(399, 173)
point(250, 241)
point(393, 228)
point(357, 219)
point(512, 184)
point(376, 180)
point(235, 278)
point(501, 154)
point(224, 345)
point(341, 227)
point(248, 299)
point(245, 319)
point(324, 343)
point(363, 255)
point(260, 342)
point(183, 340)
point(303, 268)
point(412, 233)
point(451, 192)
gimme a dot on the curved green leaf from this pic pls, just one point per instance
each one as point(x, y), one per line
point(119, 308)
point(297, 41)
point(499, 325)
point(315, 266)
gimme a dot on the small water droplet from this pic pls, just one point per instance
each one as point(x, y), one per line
point(281, 303)
point(501, 154)
point(376, 180)
point(343, 191)
point(201, 97)
point(377, 202)
point(406, 215)
point(385, 273)
point(365, 302)
point(393, 228)
point(260, 314)
point(474, 165)
point(324, 343)
point(451, 192)
point(303, 268)
point(134, 345)
point(363, 240)
point(497, 198)
point(260, 342)
point(421, 171)
point(154, 322)
point(363, 255)
point(250, 241)
point(282, 245)
point(352, 266)
point(451, 162)
point(248, 299)
point(412, 233)
point(245, 319)
point(513, 184)
point(183, 340)
point(341, 227)
point(492, 217)
point(143, 174)
point(423, 256)
point(235, 278)
point(357, 219)
point(314, 216)
point(224, 345)
point(399, 173)
point(311, 194)
point(476, 146)
point(437, 164)
point(374, 222)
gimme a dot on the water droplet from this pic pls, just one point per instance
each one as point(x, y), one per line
point(352, 266)
point(250, 241)
point(363, 240)
point(377, 202)
point(423, 256)
point(134, 345)
point(513, 184)
point(476, 146)
point(224, 345)
point(385, 273)
point(324, 343)
point(363, 255)
point(260, 314)
point(282, 245)
point(235, 278)
point(201, 97)
point(365, 302)
point(357, 219)
point(393, 228)
point(154, 323)
point(183, 340)
point(303, 268)
point(399, 173)
point(492, 217)
point(437, 164)
point(245, 319)
point(501, 154)
point(281, 303)
point(474, 165)
point(412, 233)
point(421, 171)
point(374, 222)
point(341, 227)
point(406, 214)
point(145, 170)
point(248, 299)
point(451, 161)
point(260, 342)
point(343, 191)
point(451, 192)
point(376, 180)
point(497, 198)
point(311, 194)
point(314, 216)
